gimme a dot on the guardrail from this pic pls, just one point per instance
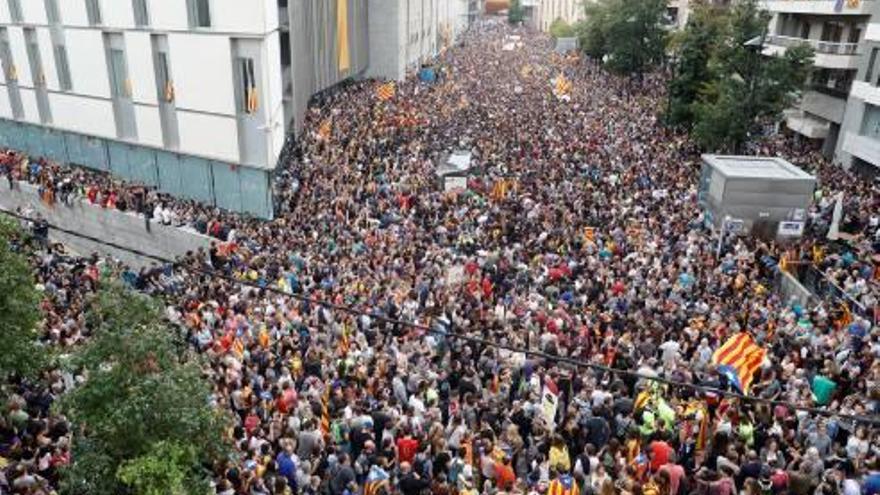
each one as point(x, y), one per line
point(826, 47)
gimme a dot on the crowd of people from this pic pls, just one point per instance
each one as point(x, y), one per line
point(581, 242)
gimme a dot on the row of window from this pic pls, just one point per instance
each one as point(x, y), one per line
point(198, 12)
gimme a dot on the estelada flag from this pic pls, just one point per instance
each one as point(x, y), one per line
point(386, 91)
point(738, 359)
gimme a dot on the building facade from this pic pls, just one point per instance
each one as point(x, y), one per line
point(547, 11)
point(836, 32)
point(408, 33)
point(859, 143)
point(196, 97)
point(183, 95)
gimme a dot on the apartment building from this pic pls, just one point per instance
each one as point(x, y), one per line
point(859, 142)
point(195, 97)
point(185, 95)
point(836, 31)
point(547, 11)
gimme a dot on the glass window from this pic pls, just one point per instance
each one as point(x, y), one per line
point(117, 73)
point(33, 51)
point(52, 12)
point(248, 96)
point(15, 10)
point(871, 122)
point(141, 15)
point(871, 62)
point(63, 68)
point(93, 10)
point(199, 13)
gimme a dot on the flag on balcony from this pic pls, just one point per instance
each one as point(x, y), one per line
point(344, 58)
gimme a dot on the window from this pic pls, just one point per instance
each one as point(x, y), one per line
point(93, 11)
point(118, 77)
point(199, 13)
point(871, 122)
point(248, 101)
point(63, 68)
point(33, 52)
point(52, 13)
point(163, 78)
point(15, 10)
point(871, 61)
point(141, 16)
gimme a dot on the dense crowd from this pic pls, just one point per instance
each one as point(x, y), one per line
point(582, 240)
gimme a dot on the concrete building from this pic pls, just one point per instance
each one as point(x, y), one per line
point(547, 11)
point(196, 97)
point(836, 31)
point(859, 143)
point(185, 95)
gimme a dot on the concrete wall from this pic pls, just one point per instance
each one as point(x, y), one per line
point(113, 226)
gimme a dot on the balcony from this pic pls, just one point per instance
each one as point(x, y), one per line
point(806, 125)
point(828, 55)
point(864, 147)
point(819, 7)
point(821, 102)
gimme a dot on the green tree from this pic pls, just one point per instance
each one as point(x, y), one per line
point(144, 420)
point(22, 353)
point(635, 37)
point(591, 31)
point(515, 13)
point(692, 48)
point(746, 87)
point(561, 29)
point(629, 32)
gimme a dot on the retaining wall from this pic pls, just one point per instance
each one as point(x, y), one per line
point(125, 229)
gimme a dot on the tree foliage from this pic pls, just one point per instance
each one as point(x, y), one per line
point(738, 86)
point(693, 48)
point(628, 32)
point(142, 406)
point(515, 13)
point(22, 353)
point(561, 29)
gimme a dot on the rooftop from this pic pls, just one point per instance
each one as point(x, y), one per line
point(756, 167)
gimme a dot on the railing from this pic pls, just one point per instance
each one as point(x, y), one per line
point(826, 47)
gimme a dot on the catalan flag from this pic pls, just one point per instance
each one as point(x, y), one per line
point(698, 417)
point(326, 129)
point(563, 485)
point(325, 412)
point(738, 359)
point(386, 91)
point(562, 86)
point(344, 342)
point(377, 479)
point(846, 316)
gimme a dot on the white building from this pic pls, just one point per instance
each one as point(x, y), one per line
point(836, 31)
point(546, 11)
point(183, 94)
point(196, 96)
point(417, 29)
point(859, 143)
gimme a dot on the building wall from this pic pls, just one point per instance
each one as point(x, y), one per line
point(206, 107)
point(314, 48)
point(548, 11)
point(859, 136)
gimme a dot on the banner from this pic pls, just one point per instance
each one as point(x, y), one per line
point(549, 404)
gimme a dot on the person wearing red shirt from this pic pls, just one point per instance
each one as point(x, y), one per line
point(659, 452)
point(407, 447)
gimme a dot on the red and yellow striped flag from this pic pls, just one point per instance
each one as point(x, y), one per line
point(562, 86)
point(386, 91)
point(846, 317)
point(326, 129)
point(325, 412)
point(739, 358)
point(344, 342)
